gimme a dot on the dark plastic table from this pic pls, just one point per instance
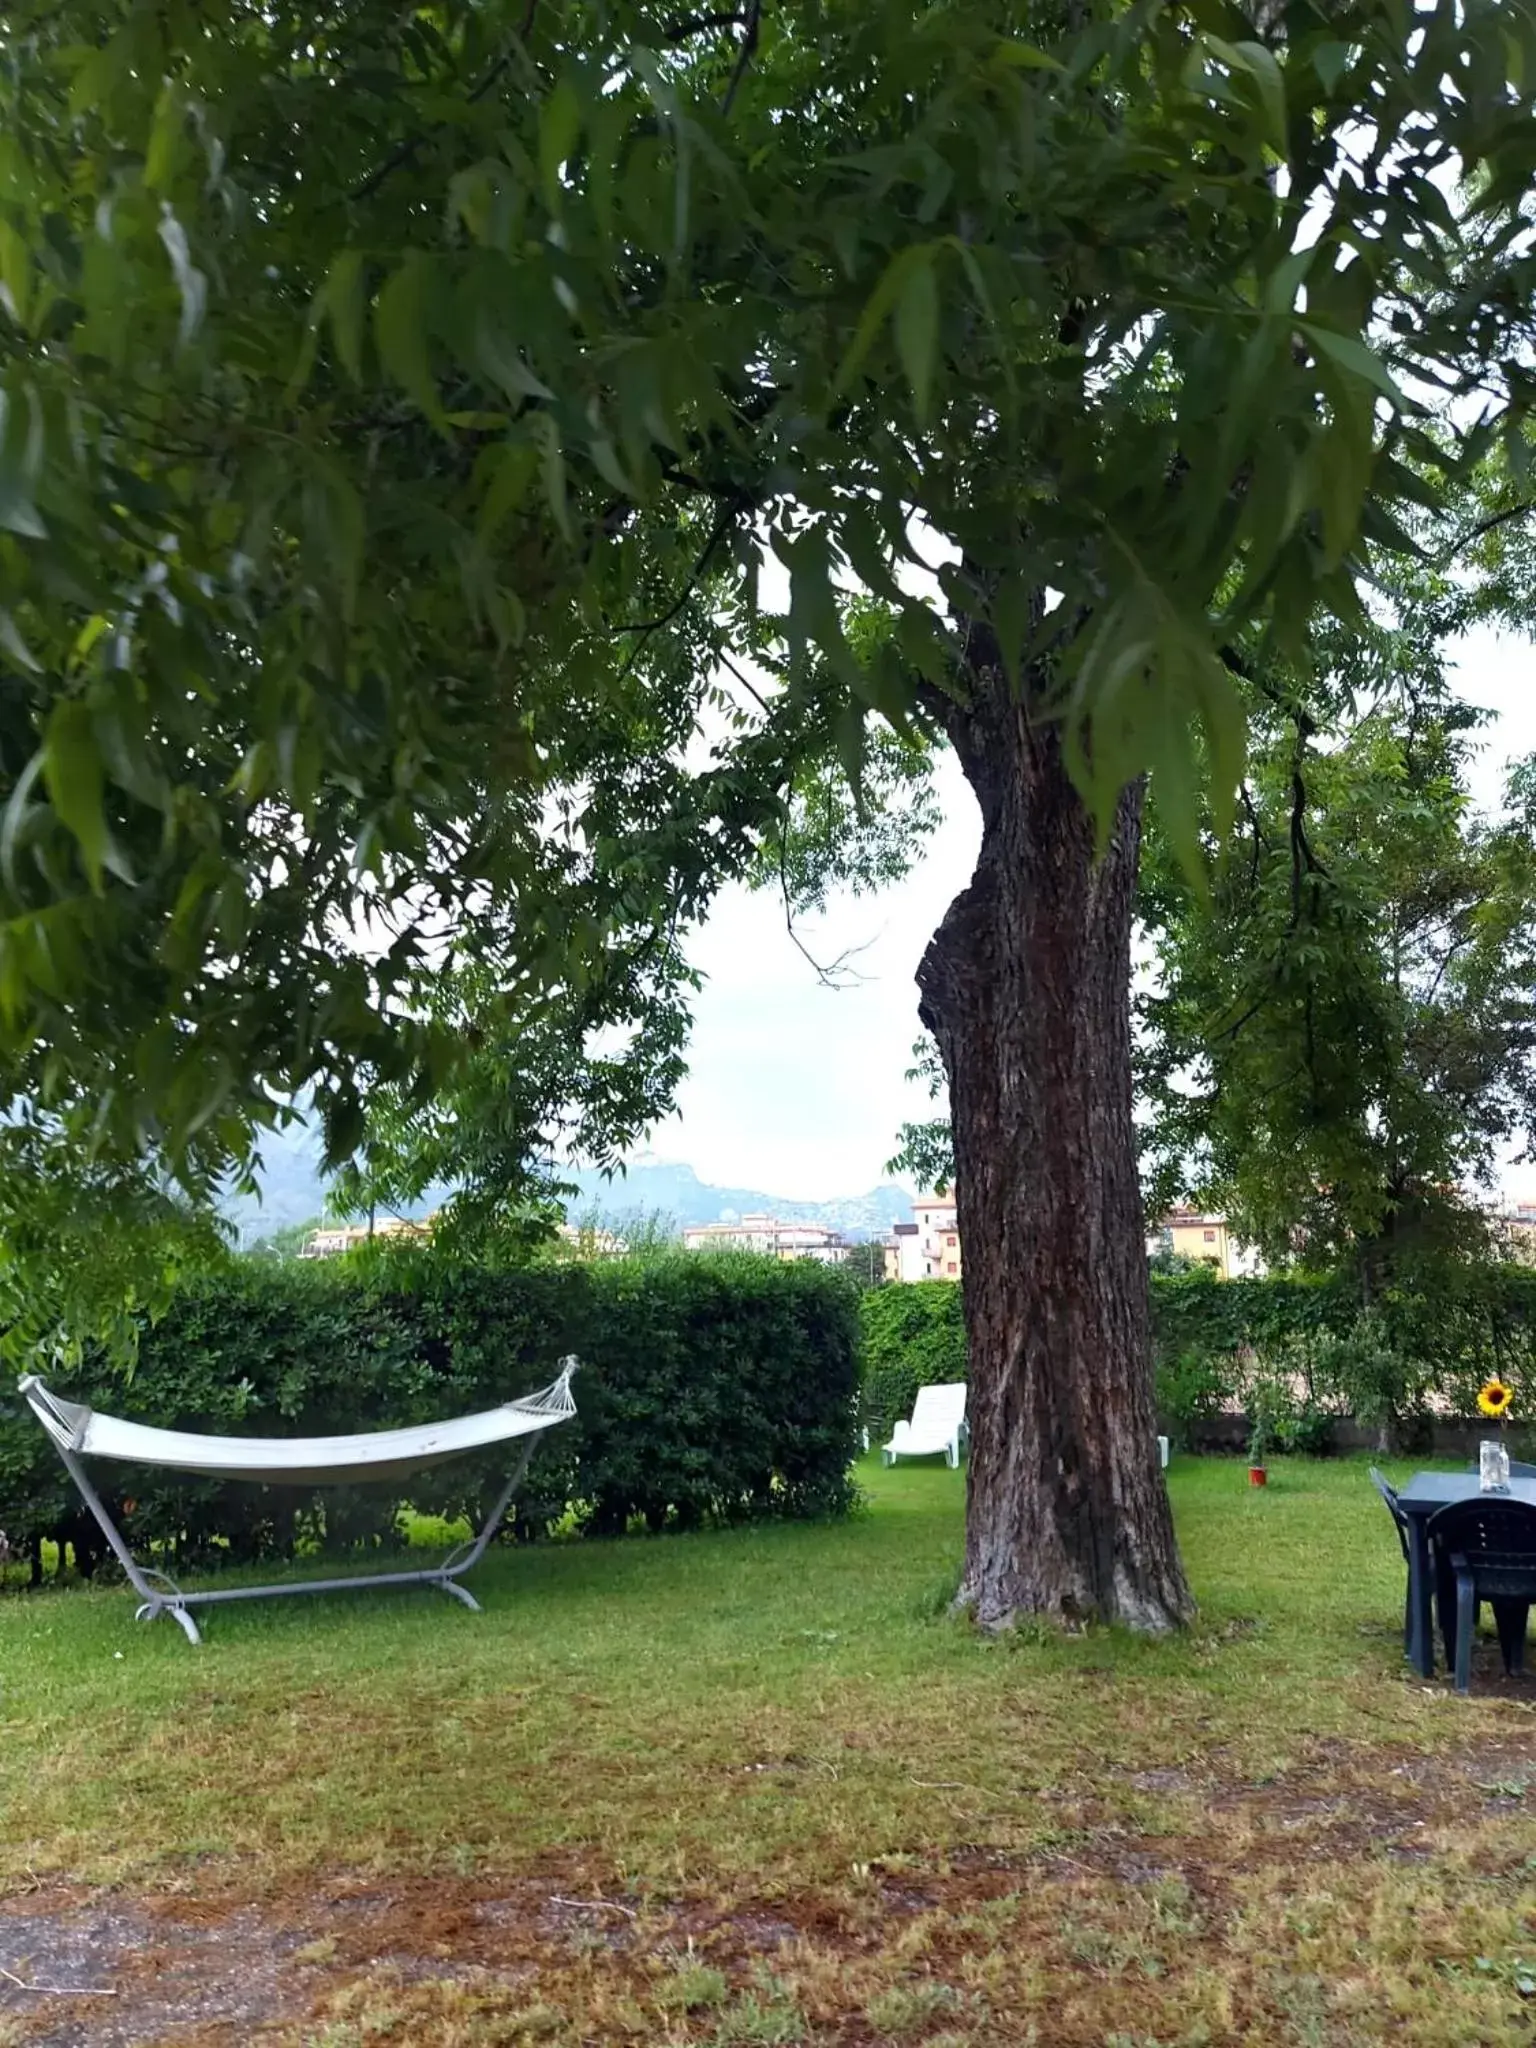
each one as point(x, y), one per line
point(1420, 1498)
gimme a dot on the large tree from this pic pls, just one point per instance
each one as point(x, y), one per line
point(1340, 1041)
point(402, 407)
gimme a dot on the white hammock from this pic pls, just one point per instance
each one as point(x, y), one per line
point(298, 1460)
point(78, 1431)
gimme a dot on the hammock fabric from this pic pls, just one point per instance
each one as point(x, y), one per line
point(79, 1431)
point(299, 1460)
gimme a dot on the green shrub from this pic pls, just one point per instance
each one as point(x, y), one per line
point(1191, 1388)
point(913, 1336)
point(1365, 1374)
point(710, 1390)
point(1429, 1342)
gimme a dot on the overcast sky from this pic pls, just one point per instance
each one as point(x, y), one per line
point(798, 1090)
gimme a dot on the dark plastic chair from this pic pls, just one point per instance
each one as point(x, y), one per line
point(1400, 1524)
point(1488, 1548)
point(1445, 1583)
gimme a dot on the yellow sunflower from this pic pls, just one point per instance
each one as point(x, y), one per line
point(1494, 1399)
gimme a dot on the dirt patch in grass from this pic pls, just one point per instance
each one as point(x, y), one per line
point(1246, 1929)
point(812, 1814)
point(134, 1980)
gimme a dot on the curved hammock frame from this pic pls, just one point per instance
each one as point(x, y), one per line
point(79, 1432)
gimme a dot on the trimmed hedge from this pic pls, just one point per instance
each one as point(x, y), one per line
point(1421, 1348)
point(710, 1390)
point(914, 1336)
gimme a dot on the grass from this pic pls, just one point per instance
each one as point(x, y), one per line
point(757, 1786)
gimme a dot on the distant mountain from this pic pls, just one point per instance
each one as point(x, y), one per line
point(659, 1187)
point(293, 1191)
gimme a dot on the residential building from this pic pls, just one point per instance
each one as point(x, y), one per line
point(587, 1241)
point(927, 1248)
point(768, 1235)
point(900, 1250)
point(938, 1237)
point(1514, 1232)
point(332, 1238)
point(1205, 1240)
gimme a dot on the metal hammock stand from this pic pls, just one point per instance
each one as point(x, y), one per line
point(80, 1432)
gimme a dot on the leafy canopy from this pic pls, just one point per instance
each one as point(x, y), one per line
point(1341, 1035)
point(402, 409)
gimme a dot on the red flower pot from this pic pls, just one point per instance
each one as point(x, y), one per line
point(1257, 1476)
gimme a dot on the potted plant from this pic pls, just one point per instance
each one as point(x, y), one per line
point(1268, 1408)
point(1259, 1435)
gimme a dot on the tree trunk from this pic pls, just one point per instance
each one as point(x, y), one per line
point(1026, 987)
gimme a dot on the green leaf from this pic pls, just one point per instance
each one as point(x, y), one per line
point(499, 358)
point(21, 448)
point(869, 554)
point(76, 786)
point(1257, 63)
point(165, 137)
point(15, 817)
point(98, 75)
point(1352, 354)
point(346, 301)
point(877, 309)
point(15, 646)
point(553, 464)
point(336, 527)
point(606, 131)
point(1330, 61)
point(16, 272)
point(400, 328)
point(1342, 459)
point(1012, 56)
point(1013, 622)
point(1287, 278)
point(190, 281)
point(300, 758)
point(508, 487)
point(1226, 729)
point(852, 744)
point(814, 622)
point(605, 460)
point(1270, 82)
point(559, 131)
point(917, 329)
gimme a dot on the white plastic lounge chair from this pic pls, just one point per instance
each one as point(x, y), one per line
point(80, 1432)
point(938, 1424)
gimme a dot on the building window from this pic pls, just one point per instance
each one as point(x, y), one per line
point(1210, 1237)
point(952, 1267)
point(950, 1242)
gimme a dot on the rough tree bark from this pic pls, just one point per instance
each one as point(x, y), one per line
point(1026, 987)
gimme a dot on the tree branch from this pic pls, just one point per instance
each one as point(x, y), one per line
point(407, 149)
point(745, 682)
point(1258, 842)
point(1494, 519)
point(1232, 1030)
point(1303, 860)
point(1458, 944)
point(646, 627)
point(836, 974)
point(750, 31)
point(675, 475)
point(683, 26)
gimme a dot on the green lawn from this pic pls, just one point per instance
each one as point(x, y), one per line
point(758, 1786)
